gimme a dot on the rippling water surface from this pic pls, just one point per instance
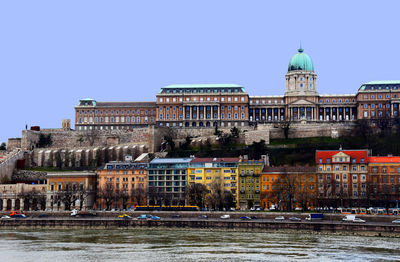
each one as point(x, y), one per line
point(189, 245)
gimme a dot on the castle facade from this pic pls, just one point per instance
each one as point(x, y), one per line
point(226, 105)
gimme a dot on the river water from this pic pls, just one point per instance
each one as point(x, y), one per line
point(189, 245)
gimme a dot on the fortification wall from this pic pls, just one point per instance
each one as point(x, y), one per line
point(63, 139)
point(13, 143)
point(299, 130)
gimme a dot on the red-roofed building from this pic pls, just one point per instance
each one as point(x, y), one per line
point(342, 177)
point(384, 181)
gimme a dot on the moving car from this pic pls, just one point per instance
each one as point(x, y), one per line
point(296, 219)
point(245, 218)
point(225, 216)
point(397, 221)
point(313, 217)
point(358, 220)
point(5, 217)
point(203, 216)
point(125, 216)
point(176, 216)
point(144, 216)
point(77, 213)
point(280, 218)
point(17, 214)
point(155, 218)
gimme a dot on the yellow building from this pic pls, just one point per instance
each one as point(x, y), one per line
point(249, 183)
point(217, 174)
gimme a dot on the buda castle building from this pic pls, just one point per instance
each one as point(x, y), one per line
point(226, 105)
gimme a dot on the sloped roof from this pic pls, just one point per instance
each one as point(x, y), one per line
point(354, 154)
point(291, 169)
point(215, 160)
point(384, 159)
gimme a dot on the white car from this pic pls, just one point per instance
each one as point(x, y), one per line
point(5, 217)
point(397, 221)
point(358, 220)
point(225, 216)
point(280, 218)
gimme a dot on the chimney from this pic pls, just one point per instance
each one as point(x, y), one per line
point(265, 159)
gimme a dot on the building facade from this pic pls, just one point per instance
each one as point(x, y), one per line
point(383, 182)
point(122, 185)
point(289, 187)
point(202, 105)
point(22, 196)
point(167, 179)
point(93, 115)
point(216, 174)
point(249, 189)
point(71, 190)
point(205, 105)
point(342, 177)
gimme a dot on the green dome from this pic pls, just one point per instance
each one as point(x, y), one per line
point(301, 61)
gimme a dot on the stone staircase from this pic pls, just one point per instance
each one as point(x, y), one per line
point(8, 162)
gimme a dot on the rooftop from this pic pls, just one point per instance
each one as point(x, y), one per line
point(384, 159)
point(170, 160)
point(215, 160)
point(203, 86)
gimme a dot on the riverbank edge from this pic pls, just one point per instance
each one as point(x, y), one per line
point(333, 228)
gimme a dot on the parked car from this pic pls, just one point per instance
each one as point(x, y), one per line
point(280, 218)
point(225, 216)
point(259, 209)
point(245, 218)
point(17, 214)
point(253, 217)
point(176, 216)
point(358, 220)
point(5, 217)
point(203, 216)
point(143, 216)
point(397, 221)
point(125, 216)
point(155, 218)
point(296, 219)
point(252, 209)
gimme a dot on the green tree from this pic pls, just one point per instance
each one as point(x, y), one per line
point(3, 146)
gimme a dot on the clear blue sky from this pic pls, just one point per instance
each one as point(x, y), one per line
point(52, 53)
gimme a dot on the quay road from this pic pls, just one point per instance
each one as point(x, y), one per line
point(262, 224)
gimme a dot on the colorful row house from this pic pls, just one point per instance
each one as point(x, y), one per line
point(216, 174)
point(289, 187)
point(342, 177)
point(122, 185)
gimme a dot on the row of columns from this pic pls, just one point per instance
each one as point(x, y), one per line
point(337, 116)
point(212, 112)
point(279, 116)
point(9, 204)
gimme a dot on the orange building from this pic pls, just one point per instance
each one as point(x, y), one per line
point(70, 190)
point(288, 187)
point(383, 181)
point(122, 185)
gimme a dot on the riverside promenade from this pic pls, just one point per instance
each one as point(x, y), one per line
point(265, 222)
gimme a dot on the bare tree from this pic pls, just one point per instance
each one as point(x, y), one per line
point(196, 193)
point(66, 196)
point(125, 197)
point(138, 196)
point(107, 195)
point(215, 198)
